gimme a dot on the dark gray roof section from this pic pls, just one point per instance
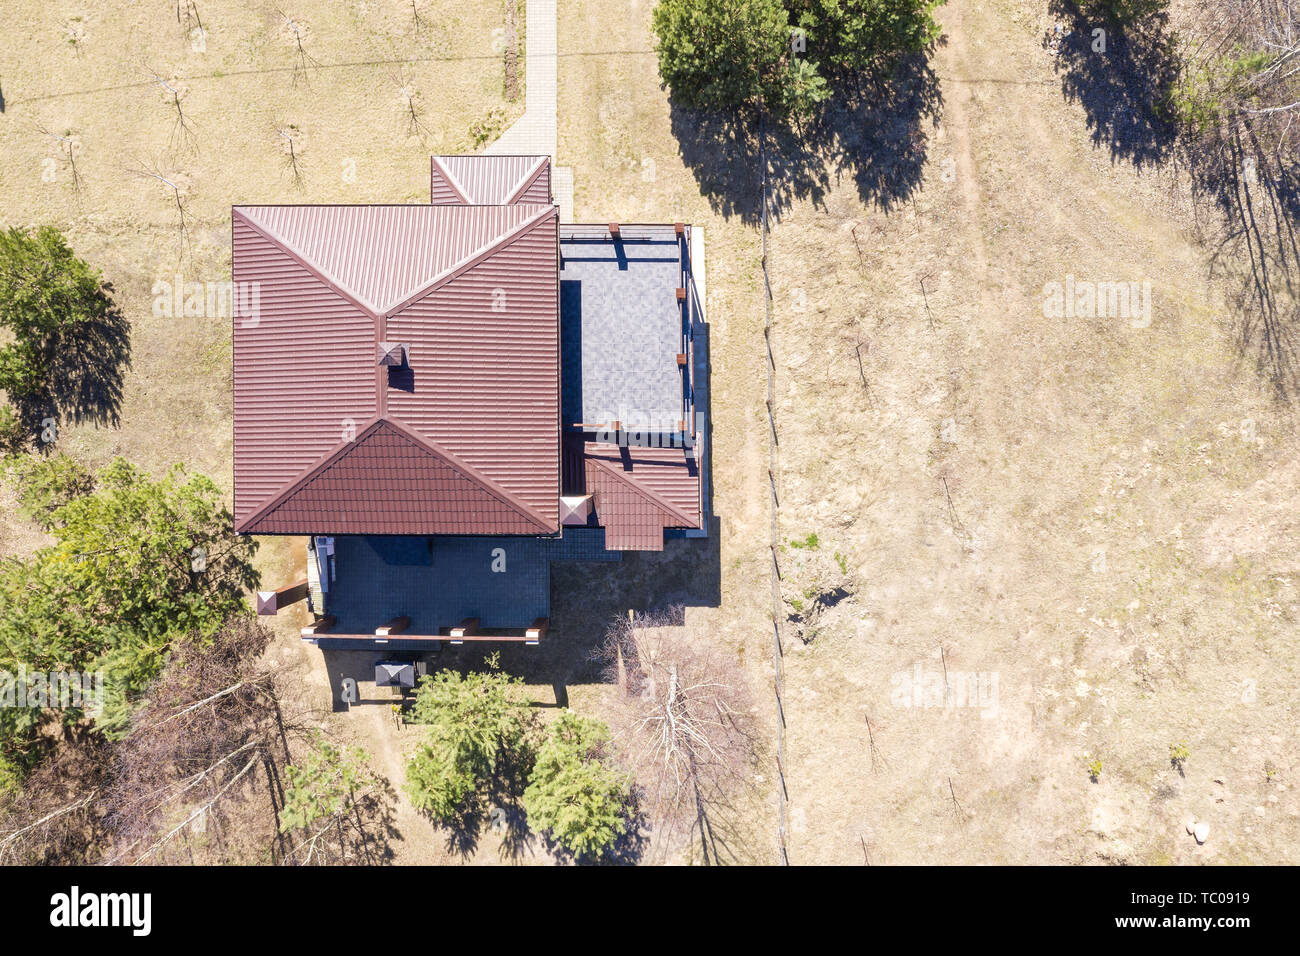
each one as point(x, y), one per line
point(621, 326)
point(440, 581)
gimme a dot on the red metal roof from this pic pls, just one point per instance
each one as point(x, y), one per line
point(390, 480)
point(472, 290)
point(493, 400)
point(640, 492)
point(490, 179)
point(302, 370)
point(382, 257)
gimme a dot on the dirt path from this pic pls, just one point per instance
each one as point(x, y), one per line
point(419, 841)
point(956, 124)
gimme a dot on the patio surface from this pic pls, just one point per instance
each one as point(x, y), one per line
point(439, 581)
point(621, 327)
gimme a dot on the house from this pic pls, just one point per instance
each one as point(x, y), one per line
point(446, 398)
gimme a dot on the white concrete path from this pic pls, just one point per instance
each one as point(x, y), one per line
point(534, 132)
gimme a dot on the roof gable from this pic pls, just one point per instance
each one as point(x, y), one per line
point(383, 257)
point(490, 180)
point(633, 516)
point(389, 480)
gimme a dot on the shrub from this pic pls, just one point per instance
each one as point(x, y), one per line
point(733, 56)
point(739, 56)
point(135, 564)
point(1178, 754)
point(69, 342)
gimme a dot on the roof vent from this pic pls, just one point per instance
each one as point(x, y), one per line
point(575, 509)
point(394, 354)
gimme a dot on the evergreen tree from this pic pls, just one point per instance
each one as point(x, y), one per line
point(575, 793)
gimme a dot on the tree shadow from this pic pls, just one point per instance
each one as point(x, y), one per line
point(1255, 192)
point(497, 808)
point(1239, 172)
point(374, 819)
point(628, 850)
point(87, 365)
point(463, 833)
point(872, 130)
point(90, 364)
point(1119, 77)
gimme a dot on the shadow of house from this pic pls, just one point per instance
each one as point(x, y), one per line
point(1120, 74)
point(586, 597)
point(872, 130)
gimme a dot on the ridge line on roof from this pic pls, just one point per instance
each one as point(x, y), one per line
point(281, 496)
point(375, 311)
point(529, 178)
point(648, 493)
point(452, 181)
point(470, 472)
point(479, 255)
point(303, 261)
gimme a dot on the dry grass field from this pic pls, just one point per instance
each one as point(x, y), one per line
point(1097, 515)
point(1091, 519)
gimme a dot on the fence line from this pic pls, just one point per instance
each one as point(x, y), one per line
point(778, 662)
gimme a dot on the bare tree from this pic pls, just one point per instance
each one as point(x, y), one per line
point(204, 753)
point(187, 15)
point(409, 96)
point(201, 776)
point(302, 60)
point(183, 136)
point(418, 23)
point(686, 725)
point(57, 817)
point(289, 137)
point(1240, 95)
point(68, 146)
point(157, 172)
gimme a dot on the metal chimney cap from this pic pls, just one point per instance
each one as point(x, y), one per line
point(394, 354)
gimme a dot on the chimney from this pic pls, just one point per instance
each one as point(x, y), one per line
point(575, 509)
point(394, 354)
point(271, 602)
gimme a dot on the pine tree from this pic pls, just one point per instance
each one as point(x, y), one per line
point(575, 793)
